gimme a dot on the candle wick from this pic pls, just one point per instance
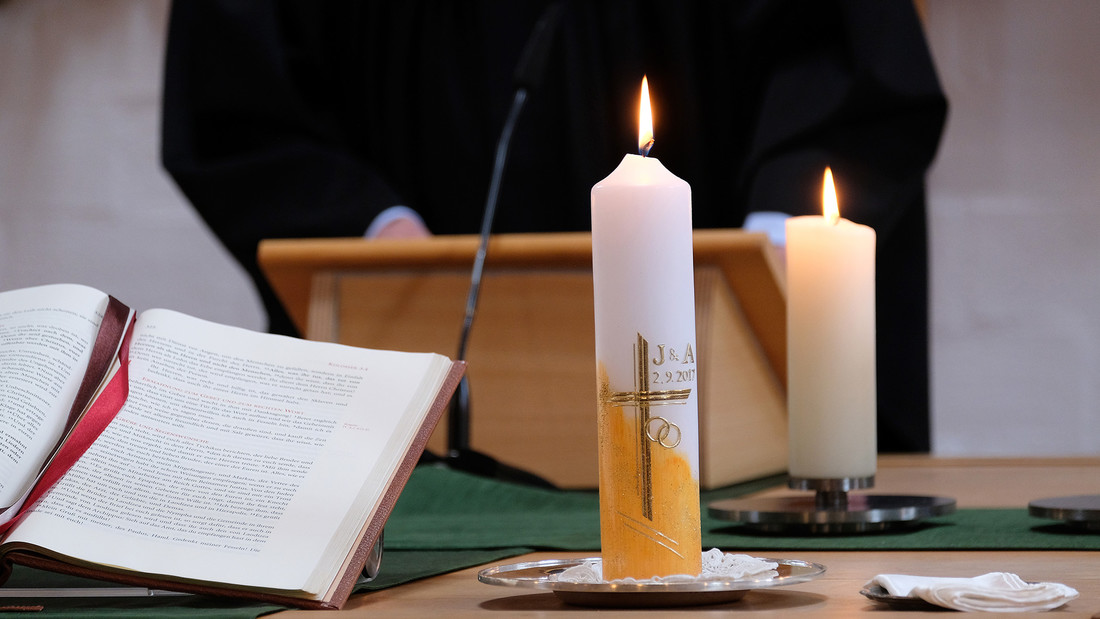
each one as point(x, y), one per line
point(644, 149)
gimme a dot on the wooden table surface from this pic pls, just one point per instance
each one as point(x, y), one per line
point(973, 483)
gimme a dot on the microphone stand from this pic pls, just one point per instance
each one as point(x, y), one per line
point(459, 454)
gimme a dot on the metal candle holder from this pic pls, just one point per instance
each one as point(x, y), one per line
point(1080, 511)
point(831, 509)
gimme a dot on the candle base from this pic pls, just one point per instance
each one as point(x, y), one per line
point(1081, 511)
point(831, 484)
point(832, 510)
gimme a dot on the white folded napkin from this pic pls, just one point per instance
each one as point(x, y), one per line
point(993, 592)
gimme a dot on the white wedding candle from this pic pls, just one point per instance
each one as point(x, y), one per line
point(644, 293)
point(831, 344)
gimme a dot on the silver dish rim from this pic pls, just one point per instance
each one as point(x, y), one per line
point(537, 575)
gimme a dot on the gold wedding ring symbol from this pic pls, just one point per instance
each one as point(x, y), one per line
point(659, 429)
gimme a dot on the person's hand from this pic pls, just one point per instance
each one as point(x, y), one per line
point(398, 222)
point(403, 228)
point(774, 225)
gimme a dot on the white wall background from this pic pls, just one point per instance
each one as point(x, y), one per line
point(1015, 228)
point(1015, 224)
point(83, 198)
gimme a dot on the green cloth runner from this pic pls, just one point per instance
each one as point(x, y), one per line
point(443, 509)
point(447, 520)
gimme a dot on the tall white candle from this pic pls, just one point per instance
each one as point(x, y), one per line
point(644, 293)
point(831, 344)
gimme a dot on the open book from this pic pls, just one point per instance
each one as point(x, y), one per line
point(163, 450)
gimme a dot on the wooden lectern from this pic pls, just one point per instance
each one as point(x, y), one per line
point(531, 354)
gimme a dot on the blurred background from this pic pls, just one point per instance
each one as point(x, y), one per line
point(1013, 215)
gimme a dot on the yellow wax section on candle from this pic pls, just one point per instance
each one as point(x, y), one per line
point(635, 544)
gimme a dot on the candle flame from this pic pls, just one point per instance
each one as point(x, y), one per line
point(829, 207)
point(645, 121)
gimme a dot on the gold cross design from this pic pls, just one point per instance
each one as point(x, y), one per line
point(650, 429)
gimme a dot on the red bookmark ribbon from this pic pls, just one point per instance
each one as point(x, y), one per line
point(95, 421)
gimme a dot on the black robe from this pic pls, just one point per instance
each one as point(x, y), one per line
point(306, 119)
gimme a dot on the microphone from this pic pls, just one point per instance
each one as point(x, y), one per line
point(527, 77)
point(532, 63)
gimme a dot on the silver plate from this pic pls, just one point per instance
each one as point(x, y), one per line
point(539, 575)
point(882, 596)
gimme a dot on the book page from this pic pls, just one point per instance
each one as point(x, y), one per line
point(46, 338)
point(237, 456)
